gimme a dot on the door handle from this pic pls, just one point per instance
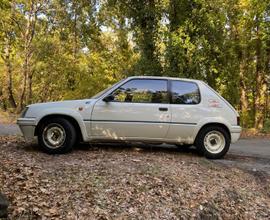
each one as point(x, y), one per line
point(163, 109)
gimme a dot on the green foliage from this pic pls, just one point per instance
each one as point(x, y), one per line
point(63, 49)
point(266, 127)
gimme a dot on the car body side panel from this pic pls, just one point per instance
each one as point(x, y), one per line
point(216, 106)
point(184, 122)
point(217, 110)
point(119, 120)
point(187, 120)
point(77, 109)
point(71, 113)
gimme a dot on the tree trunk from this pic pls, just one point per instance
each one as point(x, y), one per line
point(23, 85)
point(260, 84)
point(75, 42)
point(11, 99)
point(260, 101)
point(29, 88)
point(243, 96)
point(9, 85)
point(3, 105)
point(28, 35)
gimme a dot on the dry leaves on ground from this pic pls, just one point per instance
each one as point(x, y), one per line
point(253, 133)
point(125, 183)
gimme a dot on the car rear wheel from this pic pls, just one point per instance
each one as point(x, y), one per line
point(56, 136)
point(213, 142)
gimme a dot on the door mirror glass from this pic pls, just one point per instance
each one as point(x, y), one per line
point(108, 98)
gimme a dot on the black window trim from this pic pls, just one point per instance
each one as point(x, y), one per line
point(167, 87)
point(170, 91)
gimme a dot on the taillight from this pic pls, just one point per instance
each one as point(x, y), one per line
point(238, 120)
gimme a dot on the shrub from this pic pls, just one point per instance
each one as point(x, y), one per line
point(266, 127)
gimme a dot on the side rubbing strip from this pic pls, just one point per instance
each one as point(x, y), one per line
point(151, 122)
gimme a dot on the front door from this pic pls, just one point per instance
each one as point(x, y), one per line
point(140, 110)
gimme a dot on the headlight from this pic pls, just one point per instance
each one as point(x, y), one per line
point(24, 112)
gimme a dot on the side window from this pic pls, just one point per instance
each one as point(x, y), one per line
point(185, 92)
point(142, 91)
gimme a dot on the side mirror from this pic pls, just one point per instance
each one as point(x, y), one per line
point(108, 98)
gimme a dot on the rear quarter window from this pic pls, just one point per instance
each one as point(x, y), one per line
point(184, 92)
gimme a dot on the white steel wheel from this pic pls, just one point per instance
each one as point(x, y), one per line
point(214, 142)
point(54, 135)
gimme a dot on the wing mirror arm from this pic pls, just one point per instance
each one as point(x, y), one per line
point(108, 98)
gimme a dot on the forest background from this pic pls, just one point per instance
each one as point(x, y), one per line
point(71, 49)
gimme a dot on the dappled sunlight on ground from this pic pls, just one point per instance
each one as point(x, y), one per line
point(118, 181)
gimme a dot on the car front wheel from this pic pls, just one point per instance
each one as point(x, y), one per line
point(213, 142)
point(56, 136)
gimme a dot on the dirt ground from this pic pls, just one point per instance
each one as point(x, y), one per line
point(127, 182)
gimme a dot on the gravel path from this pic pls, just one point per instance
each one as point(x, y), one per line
point(9, 129)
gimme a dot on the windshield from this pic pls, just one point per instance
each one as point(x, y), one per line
point(98, 95)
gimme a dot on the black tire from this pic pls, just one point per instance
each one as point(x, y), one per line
point(184, 146)
point(202, 149)
point(66, 129)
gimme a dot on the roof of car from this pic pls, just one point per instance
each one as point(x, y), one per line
point(163, 77)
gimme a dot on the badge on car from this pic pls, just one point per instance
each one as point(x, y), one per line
point(214, 103)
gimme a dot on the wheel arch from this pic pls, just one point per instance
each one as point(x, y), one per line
point(218, 124)
point(69, 118)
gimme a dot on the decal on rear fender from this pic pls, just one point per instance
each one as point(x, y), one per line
point(214, 103)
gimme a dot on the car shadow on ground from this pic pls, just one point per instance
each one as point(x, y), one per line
point(120, 147)
point(149, 148)
point(141, 147)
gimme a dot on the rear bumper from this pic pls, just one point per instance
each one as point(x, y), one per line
point(235, 133)
point(27, 127)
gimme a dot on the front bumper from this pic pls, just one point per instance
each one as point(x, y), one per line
point(235, 133)
point(27, 127)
